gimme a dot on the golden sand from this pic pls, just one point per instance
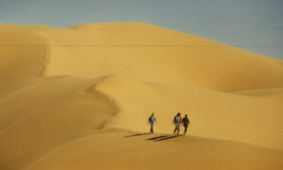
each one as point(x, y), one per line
point(80, 98)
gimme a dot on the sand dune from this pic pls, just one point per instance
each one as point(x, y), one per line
point(79, 98)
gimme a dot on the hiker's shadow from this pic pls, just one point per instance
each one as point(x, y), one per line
point(162, 138)
point(156, 138)
point(140, 134)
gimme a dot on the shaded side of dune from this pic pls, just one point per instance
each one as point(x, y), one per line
point(47, 113)
point(24, 55)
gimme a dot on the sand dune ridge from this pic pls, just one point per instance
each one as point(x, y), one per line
point(80, 98)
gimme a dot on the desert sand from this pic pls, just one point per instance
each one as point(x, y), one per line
point(80, 98)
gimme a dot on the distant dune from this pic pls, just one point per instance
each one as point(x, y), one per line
point(80, 98)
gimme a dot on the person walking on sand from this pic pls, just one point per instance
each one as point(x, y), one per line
point(185, 122)
point(177, 121)
point(151, 120)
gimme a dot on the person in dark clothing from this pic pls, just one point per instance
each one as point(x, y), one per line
point(151, 120)
point(185, 122)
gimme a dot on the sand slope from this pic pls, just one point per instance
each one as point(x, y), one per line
point(79, 98)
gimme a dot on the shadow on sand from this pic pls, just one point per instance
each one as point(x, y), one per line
point(137, 135)
point(156, 138)
point(162, 138)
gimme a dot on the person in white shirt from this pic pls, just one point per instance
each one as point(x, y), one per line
point(177, 121)
point(151, 120)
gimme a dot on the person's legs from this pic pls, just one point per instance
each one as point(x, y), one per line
point(151, 127)
point(177, 128)
point(186, 126)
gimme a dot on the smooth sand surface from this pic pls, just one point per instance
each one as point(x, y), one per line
point(80, 98)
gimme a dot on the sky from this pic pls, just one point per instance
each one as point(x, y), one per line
point(252, 25)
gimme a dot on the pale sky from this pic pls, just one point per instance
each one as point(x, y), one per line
point(252, 25)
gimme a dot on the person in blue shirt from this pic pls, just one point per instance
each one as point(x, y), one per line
point(151, 120)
